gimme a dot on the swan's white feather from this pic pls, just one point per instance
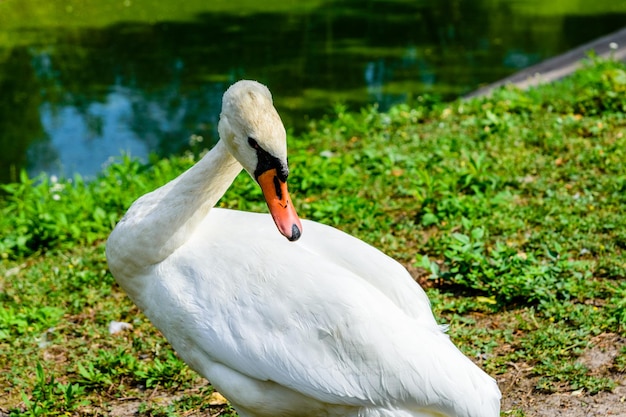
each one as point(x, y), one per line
point(331, 317)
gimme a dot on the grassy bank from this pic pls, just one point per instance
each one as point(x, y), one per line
point(508, 209)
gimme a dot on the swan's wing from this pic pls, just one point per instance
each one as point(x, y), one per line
point(276, 311)
point(370, 264)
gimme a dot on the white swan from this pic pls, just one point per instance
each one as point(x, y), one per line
point(325, 326)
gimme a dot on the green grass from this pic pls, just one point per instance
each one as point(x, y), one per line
point(509, 209)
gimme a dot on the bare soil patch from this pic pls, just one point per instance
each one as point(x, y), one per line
point(519, 392)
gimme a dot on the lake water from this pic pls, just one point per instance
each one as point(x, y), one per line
point(82, 81)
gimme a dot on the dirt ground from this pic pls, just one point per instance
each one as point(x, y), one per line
point(521, 396)
point(518, 387)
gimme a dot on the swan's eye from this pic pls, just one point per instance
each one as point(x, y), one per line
point(253, 143)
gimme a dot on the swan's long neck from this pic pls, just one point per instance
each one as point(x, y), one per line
point(160, 222)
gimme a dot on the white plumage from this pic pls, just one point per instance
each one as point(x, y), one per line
point(322, 326)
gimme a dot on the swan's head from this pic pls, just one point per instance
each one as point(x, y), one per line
point(254, 134)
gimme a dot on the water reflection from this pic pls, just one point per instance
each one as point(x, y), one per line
point(79, 136)
point(71, 98)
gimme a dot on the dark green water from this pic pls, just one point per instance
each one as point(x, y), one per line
point(71, 97)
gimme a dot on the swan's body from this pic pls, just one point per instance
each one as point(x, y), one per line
point(326, 326)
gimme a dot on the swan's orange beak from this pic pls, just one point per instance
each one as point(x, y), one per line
point(279, 203)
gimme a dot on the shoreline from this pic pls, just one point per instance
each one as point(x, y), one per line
point(560, 66)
